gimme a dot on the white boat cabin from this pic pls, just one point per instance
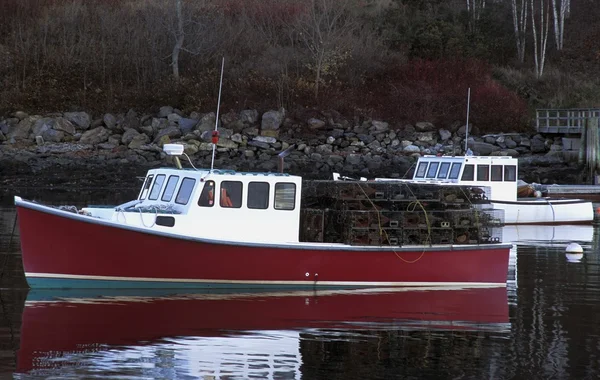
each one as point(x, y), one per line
point(217, 204)
point(498, 173)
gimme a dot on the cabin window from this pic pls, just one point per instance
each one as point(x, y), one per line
point(483, 172)
point(285, 196)
point(185, 191)
point(158, 182)
point(496, 172)
point(231, 194)
point(258, 195)
point(421, 169)
point(433, 167)
point(444, 168)
point(468, 173)
point(207, 197)
point(170, 188)
point(146, 187)
point(510, 173)
point(455, 171)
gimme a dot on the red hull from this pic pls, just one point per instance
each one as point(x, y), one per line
point(54, 328)
point(59, 246)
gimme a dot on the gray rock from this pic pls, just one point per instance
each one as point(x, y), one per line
point(227, 143)
point(187, 125)
point(265, 139)
point(207, 122)
point(259, 144)
point(2, 137)
point(330, 140)
point(510, 143)
point(22, 130)
point(445, 134)
point(21, 115)
point(64, 125)
point(95, 136)
point(301, 146)
point(237, 138)
point(324, 149)
point(249, 116)
point(52, 135)
point(379, 126)
point(366, 139)
point(537, 145)
point(41, 125)
point(426, 137)
point(107, 146)
point(424, 126)
point(110, 121)
point(138, 140)
point(353, 159)
point(271, 120)
point(314, 123)
point(129, 135)
point(249, 153)
point(490, 139)
point(158, 124)
point(165, 111)
point(114, 140)
point(80, 119)
point(411, 149)
point(173, 117)
point(482, 148)
point(171, 132)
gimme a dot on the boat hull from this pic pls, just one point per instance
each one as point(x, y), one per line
point(67, 250)
point(546, 211)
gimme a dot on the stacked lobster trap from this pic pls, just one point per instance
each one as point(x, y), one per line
point(397, 213)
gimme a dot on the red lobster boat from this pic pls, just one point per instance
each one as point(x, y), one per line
point(195, 228)
point(216, 329)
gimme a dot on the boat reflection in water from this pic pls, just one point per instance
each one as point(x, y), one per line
point(547, 235)
point(220, 334)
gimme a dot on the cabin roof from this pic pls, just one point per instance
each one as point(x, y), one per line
point(223, 172)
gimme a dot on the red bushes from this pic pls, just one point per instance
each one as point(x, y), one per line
point(436, 91)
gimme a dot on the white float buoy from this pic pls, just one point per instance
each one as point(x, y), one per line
point(574, 252)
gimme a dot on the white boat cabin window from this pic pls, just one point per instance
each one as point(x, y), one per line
point(207, 197)
point(455, 170)
point(444, 169)
point(421, 169)
point(258, 195)
point(156, 187)
point(170, 188)
point(468, 173)
point(285, 196)
point(510, 173)
point(185, 190)
point(146, 186)
point(231, 194)
point(433, 167)
point(496, 172)
point(483, 172)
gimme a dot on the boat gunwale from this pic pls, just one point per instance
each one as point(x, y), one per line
point(19, 202)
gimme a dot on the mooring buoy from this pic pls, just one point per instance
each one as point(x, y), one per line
point(574, 252)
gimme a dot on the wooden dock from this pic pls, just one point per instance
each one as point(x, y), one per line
point(589, 192)
point(565, 121)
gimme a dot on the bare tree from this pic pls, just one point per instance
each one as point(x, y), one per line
point(519, 12)
point(474, 9)
point(539, 46)
point(179, 38)
point(325, 31)
point(560, 11)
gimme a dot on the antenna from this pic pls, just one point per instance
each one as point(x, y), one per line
point(467, 125)
point(215, 134)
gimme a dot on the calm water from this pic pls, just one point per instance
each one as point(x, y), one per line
point(546, 325)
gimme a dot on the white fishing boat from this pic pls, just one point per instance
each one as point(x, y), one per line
point(498, 175)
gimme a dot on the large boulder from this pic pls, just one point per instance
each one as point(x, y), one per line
point(22, 130)
point(95, 136)
point(271, 120)
point(482, 148)
point(81, 119)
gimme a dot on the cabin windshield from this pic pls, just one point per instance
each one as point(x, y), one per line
point(432, 169)
point(421, 169)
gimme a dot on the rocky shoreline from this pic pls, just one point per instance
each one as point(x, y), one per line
point(74, 149)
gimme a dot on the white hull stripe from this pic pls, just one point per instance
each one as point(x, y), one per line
point(261, 282)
